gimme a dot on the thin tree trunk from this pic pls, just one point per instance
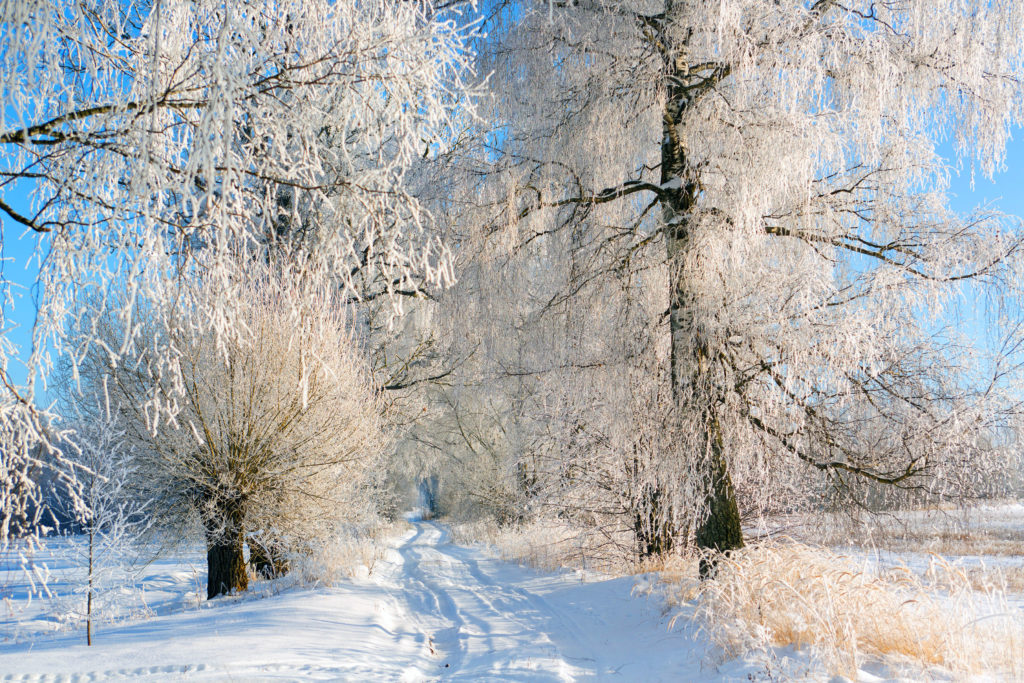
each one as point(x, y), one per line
point(88, 598)
point(655, 535)
point(654, 529)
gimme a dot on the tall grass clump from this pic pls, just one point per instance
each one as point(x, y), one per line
point(352, 550)
point(777, 594)
point(549, 545)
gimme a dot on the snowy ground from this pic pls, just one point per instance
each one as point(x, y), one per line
point(430, 611)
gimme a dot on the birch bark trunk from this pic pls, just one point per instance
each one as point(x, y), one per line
point(695, 388)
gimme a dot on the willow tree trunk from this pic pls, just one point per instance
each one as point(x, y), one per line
point(225, 554)
point(693, 358)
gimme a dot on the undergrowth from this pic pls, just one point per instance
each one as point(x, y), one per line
point(350, 552)
point(550, 545)
point(778, 594)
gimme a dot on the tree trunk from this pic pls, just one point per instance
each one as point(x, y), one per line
point(88, 599)
point(692, 353)
point(267, 559)
point(721, 531)
point(225, 555)
point(692, 367)
point(654, 529)
point(226, 567)
point(654, 533)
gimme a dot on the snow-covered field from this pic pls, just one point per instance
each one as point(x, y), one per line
point(430, 610)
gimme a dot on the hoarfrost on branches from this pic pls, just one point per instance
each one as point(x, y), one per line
point(160, 140)
point(775, 165)
point(276, 428)
point(105, 543)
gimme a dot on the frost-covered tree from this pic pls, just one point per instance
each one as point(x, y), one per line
point(105, 539)
point(275, 425)
point(157, 139)
point(561, 405)
point(782, 158)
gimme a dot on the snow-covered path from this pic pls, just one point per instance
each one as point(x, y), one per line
point(487, 618)
point(430, 611)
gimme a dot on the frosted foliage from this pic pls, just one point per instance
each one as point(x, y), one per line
point(276, 423)
point(778, 161)
point(161, 139)
point(107, 545)
point(277, 432)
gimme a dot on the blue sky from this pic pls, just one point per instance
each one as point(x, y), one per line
point(1006, 192)
point(19, 267)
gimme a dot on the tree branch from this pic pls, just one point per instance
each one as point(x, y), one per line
point(18, 218)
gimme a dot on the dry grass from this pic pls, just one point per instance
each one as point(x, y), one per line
point(778, 594)
point(994, 530)
point(351, 552)
point(949, 542)
point(1003, 579)
point(550, 545)
point(948, 621)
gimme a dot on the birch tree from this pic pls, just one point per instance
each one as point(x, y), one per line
point(782, 156)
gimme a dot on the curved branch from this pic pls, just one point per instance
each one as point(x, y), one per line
point(606, 195)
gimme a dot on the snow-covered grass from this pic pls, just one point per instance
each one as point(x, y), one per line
point(354, 551)
point(888, 602)
point(850, 612)
point(888, 597)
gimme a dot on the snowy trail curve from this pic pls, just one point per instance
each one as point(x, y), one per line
point(477, 624)
point(430, 611)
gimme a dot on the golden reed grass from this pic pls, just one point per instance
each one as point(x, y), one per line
point(782, 593)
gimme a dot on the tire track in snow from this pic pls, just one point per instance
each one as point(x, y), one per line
point(432, 606)
point(487, 629)
point(536, 604)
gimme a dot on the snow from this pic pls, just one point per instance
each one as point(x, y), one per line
point(430, 610)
